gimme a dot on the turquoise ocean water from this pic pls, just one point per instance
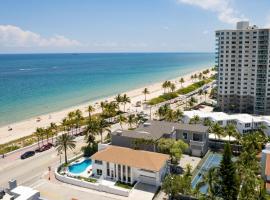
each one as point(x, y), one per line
point(35, 84)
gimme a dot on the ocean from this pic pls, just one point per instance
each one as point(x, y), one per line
point(36, 84)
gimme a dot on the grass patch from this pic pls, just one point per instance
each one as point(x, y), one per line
point(162, 98)
point(90, 180)
point(194, 86)
point(124, 185)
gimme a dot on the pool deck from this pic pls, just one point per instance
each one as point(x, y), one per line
point(213, 160)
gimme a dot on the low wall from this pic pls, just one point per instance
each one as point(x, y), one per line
point(94, 186)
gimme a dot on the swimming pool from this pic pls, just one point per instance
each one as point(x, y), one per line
point(80, 167)
point(213, 160)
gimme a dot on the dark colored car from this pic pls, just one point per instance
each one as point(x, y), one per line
point(44, 147)
point(27, 154)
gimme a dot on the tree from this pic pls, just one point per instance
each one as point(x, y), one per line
point(65, 142)
point(39, 135)
point(78, 119)
point(172, 87)
point(182, 81)
point(131, 120)
point(91, 131)
point(125, 100)
point(179, 115)
point(211, 180)
point(53, 128)
point(230, 130)
point(170, 116)
point(90, 109)
point(173, 148)
point(217, 130)
point(205, 93)
point(195, 120)
point(145, 92)
point(162, 110)
point(103, 126)
point(122, 119)
point(192, 77)
point(102, 105)
point(71, 116)
point(229, 184)
point(171, 185)
point(119, 99)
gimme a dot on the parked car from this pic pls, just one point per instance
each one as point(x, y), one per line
point(27, 154)
point(45, 147)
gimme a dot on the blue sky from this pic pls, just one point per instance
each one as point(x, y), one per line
point(121, 25)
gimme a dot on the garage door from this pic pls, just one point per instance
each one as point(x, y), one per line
point(147, 180)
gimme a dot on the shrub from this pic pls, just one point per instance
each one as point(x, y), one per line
point(162, 98)
point(124, 185)
point(89, 150)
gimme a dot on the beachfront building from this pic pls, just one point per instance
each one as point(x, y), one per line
point(145, 137)
point(129, 166)
point(244, 123)
point(242, 58)
point(265, 162)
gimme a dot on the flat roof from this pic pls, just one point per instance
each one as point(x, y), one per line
point(153, 129)
point(134, 158)
point(24, 192)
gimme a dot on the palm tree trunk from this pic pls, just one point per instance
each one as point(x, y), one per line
point(38, 143)
point(65, 154)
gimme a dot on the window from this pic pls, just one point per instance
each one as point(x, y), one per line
point(197, 137)
point(99, 162)
point(99, 172)
point(185, 136)
point(129, 177)
point(247, 125)
point(108, 169)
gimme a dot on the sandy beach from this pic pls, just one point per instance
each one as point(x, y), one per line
point(27, 127)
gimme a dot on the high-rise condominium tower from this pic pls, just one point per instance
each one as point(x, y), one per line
point(243, 69)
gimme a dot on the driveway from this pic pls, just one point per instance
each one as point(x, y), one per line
point(142, 191)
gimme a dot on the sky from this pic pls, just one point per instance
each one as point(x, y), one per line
point(53, 26)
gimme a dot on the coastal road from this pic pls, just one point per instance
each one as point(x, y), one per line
point(30, 170)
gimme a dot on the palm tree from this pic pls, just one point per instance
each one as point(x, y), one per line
point(39, 135)
point(210, 179)
point(53, 128)
point(207, 122)
point(195, 76)
point(64, 142)
point(170, 116)
point(65, 124)
point(172, 87)
point(166, 85)
point(205, 93)
point(122, 119)
point(217, 130)
point(145, 92)
point(195, 120)
point(102, 105)
point(71, 116)
point(131, 120)
point(119, 99)
point(78, 119)
point(179, 114)
point(47, 132)
point(162, 110)
point(125, 100)
point(182, 81)
point(103, 126)
point(230, 130)
point(90, 109)
point(192, 77)
point(200, 76)
point(91, 131)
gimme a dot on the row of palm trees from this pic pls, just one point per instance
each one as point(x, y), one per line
point(199, 77)
point(168, 85)
point(42, 133)
point(130, 120)
point(168, 114)
point(122, 99)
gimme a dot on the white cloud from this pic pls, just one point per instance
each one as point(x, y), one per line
point(226, 13)
point(13, 36)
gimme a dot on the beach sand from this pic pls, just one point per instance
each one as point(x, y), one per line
point(27, 127)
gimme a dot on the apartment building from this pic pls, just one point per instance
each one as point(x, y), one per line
point(242, 57)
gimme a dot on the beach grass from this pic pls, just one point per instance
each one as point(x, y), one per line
point(162, 98)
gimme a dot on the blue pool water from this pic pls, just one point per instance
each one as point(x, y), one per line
point(213, 160)
point(78, 168)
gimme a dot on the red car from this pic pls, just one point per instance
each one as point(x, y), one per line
point(44, 147)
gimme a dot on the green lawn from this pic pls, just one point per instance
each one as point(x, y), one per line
point(123, 185)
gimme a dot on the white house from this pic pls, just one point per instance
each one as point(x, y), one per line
point(129, 165)
point(243, 122)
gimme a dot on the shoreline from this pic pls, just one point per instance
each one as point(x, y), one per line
point(28, 126)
